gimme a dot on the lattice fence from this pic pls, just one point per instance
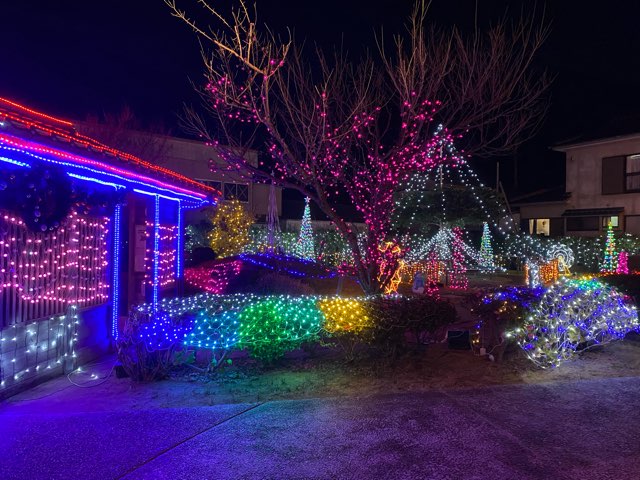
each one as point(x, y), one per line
point(42, 274)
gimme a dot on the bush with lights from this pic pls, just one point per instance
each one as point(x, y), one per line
point(498, 312)
point(573, 315)
point(275, 325)
point(230, 234)
point(346, 322)
point(217, 332)
point(148, 346)
point(272, 325)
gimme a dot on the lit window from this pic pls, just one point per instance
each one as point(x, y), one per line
point(632, 172)
point(542, 226)
point(614, 221)
point(539, 226)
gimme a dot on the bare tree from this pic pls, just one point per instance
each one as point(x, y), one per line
point(123, 130)
point(333, 126)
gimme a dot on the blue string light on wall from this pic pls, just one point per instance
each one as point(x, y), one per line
point(156, 253)
point(116, 272)
point(179, 243)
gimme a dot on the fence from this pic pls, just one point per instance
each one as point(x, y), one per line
point(43, 274)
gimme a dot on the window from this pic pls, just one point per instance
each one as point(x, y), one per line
point(539, 226)
point(211, 183)
point(632, 173)
point(236, 191)
point(583, 224)
point(615, 221)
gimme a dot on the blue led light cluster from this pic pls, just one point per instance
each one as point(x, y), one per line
point(156, 253)
point(115, 305)
point(275, 262)
point(572, 315)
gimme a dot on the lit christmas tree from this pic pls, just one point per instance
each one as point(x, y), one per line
point(304, 247)
point(486, 250)
point(610, 262)
point(457, 275)
point(623, 263)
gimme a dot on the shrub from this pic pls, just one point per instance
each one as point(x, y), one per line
point(217, 332)
point(273, 283)
point(394, 317)
point(573, 315)
point(148, 346)
point(273, 326)
point(346, 320)
point(627, 284)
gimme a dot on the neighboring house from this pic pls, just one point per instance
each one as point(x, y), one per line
point(602, 186)
point(193, 158)
point(66, 286)
point(603, 179)
point(541, 212)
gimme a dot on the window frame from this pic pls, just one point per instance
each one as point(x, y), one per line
point(606, 219)
point(235, 195)
point(533, 226)
point(628, 174)
point(217, 184)
point(597, 224)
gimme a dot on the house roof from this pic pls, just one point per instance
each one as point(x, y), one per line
point(555, 194)
point(592, 212)
point(15, 119)
point(598, 141)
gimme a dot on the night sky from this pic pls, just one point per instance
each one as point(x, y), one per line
point(74, 58)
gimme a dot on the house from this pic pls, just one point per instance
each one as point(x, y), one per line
point(541, 212)
point(603, 179)
point(191, 158)
point(86, 231)
point(602, 186)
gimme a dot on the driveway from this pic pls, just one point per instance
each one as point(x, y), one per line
point(577, 430)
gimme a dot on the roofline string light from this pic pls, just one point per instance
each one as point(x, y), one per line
point(98, 172)
point(94, 144)
point(83, 161)
point(34, 112)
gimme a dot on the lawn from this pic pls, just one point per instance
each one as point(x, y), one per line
point(436, 368)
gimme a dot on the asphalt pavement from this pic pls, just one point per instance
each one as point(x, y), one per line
point(571, 430)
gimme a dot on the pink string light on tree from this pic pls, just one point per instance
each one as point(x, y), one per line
point(623, 263)
point(332, 131)
point(433, 272)
point(458, 275)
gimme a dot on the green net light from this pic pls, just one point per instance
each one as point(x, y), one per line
point(275, 325)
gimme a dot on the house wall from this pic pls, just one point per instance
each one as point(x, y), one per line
point(584, 166)
point(192, 158)
point(33, 352)
point(543, 210)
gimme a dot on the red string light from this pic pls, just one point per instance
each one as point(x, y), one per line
point(213, 279)
point(93, 144)
point(27, 145)
point(37, 114)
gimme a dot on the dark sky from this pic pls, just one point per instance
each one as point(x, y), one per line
point(78, 57)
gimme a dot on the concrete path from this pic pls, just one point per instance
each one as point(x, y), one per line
point(581, 430)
